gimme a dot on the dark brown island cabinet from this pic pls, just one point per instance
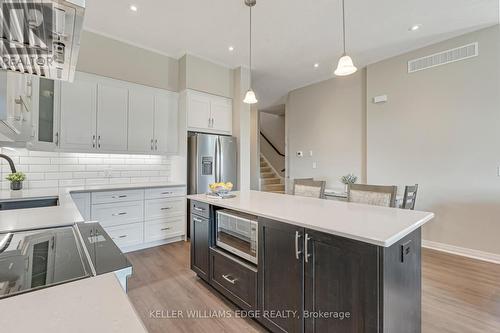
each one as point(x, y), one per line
point(309, 281)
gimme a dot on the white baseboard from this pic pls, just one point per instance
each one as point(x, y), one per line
point(462, 251)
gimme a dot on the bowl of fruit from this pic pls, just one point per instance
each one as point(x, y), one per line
point(220, 189)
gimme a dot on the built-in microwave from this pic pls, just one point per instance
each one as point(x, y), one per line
point(237, 233)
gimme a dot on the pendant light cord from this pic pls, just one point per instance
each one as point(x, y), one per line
point(343, 24)
point(250, 62)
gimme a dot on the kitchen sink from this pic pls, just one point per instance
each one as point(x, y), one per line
point(28, 203)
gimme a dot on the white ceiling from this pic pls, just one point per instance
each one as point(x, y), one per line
point(289, 35)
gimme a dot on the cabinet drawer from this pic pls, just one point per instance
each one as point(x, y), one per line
point(200, 209)
point(117, 196)
point(126, 235)
point(160, 208)
point(164, 192)
point(156, 230)
point(118, 213)
point(236, 280)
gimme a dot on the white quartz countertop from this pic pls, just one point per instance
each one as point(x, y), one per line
point(94, 305)
point(380, 226)
point(66, 213)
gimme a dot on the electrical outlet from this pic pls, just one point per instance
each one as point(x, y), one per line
point(107, 172)
point(406, 250)
point(310, 153)
point(498, 171)
point(315, 165)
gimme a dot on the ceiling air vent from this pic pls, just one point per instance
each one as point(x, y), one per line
point(443, 58)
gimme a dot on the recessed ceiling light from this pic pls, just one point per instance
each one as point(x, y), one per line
point(316, 65)
point(414, 27)
point(231, 48)
point(133, 8)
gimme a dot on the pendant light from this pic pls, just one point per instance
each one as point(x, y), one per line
point(345, 66)
point(250, 95)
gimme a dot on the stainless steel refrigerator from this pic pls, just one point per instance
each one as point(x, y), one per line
point(211, 159)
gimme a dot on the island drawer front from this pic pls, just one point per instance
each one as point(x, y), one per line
point(200, 209)
point(156, 230)
point(235, 280)
point(158, 208)
point(117, 196)
point(118, 213)
point(164, 192)
point(126, 235)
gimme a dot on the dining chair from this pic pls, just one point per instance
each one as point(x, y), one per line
point(308, 187)
point(377, 195)
point(410, 197)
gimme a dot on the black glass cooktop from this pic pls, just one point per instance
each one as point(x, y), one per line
point(35, 259)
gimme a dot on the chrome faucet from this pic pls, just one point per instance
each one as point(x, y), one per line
point(11, 163)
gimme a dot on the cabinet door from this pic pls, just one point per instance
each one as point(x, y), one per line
point(112, 116)
point(340, 276)
point(165, 123)
point(78, 113)
point(200, 232)
point(221, 114)
point(46, 99)
point(140, 120)
point(198, 111)
point(281, 275)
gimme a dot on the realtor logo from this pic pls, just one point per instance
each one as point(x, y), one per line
point(27, 35)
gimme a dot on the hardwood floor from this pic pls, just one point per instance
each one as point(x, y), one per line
point(460, 295)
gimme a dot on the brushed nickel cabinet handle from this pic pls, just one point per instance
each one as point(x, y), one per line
point(166, 208)
point(199, 209)
point(118, 196)
point(122, 236)
point(229, 278)
point(93, 141)
point(57, 139)
point(297, 252)
point(99, 141)
point(197, 220)
point(306, 251)
point(152, 147)
point(156, 144)
point(167, 193)
point(167, 228)
point(118, 214)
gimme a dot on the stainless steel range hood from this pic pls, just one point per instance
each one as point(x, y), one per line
point(41, 38)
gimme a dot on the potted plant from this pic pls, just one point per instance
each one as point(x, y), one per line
point(348, 179)
point(16, 180)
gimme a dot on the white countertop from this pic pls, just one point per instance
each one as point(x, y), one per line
point(97, 305)
point(380, 226)
point(66, 213)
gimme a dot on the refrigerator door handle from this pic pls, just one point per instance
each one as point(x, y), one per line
point(216, 160)
point(219, 162)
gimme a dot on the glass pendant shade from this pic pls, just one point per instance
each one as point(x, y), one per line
point(250, 97)
point(345, 66)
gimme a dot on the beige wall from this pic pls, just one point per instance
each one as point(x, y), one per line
point(441, 129)
point(202, 75)
point(329, 119)
point(109, 57)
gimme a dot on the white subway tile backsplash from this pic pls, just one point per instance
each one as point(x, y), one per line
point(34, 160)
point(53, 169)
point(43, 168)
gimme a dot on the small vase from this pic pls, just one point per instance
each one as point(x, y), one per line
point(16, 186)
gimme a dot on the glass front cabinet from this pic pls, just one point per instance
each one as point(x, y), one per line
point(46, 108)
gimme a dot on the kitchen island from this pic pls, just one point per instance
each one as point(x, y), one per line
point(320, 265)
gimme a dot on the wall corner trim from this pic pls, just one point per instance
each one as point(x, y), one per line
point(462, 251)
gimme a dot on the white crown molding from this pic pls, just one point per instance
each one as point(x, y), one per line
point(462, 251)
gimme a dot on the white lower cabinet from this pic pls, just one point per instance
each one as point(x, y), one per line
point(138, 218)
point(126, 235)
point(157, 230)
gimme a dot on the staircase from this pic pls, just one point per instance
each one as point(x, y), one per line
point(269, 180)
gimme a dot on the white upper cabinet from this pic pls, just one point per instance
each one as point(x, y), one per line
point(198, 110)
point(112, 116)
point(166, 123)
point(222, 114)
point(45, 116)
point(100, 114)
point(78, 114)
point(141, 120)
point(209, 113)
